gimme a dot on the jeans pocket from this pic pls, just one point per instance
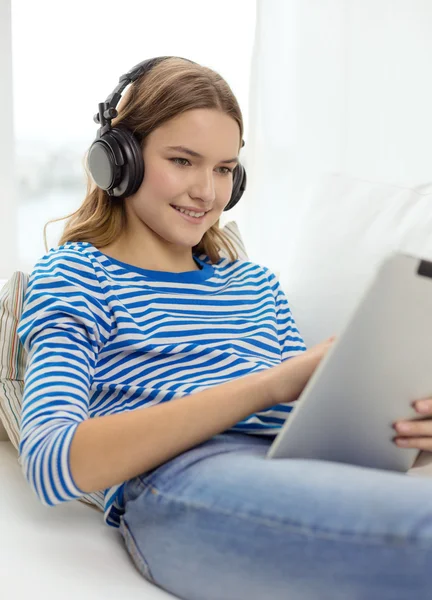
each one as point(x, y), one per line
point(134, 551)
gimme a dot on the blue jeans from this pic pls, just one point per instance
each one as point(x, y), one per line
point(221, 522)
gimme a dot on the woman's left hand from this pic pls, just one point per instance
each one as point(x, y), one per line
point(413, 433)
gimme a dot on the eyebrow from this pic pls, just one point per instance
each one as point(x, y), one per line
point(197, 154)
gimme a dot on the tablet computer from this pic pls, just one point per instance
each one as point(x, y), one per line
point(380, 362)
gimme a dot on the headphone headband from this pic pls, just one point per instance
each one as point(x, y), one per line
point(107, 109)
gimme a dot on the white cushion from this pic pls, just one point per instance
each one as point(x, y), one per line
point(64, 552)
point(346, 228)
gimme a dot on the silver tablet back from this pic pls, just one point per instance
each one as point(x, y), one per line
point(381, 361)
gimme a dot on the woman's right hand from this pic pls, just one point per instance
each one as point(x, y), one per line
point(292, 375)
point(315, 354)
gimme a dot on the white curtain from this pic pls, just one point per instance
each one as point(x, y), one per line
point(336, 86)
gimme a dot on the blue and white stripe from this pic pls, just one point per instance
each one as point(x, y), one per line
point(104, 337)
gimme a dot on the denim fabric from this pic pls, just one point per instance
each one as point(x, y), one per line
point(222, 522)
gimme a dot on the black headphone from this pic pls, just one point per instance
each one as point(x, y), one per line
point(115, 159)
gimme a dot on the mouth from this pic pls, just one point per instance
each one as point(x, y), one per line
point(191, 216)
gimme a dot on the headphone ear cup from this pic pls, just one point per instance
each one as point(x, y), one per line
point(239, 186)
point(115, 162)
point(104, 161)
point(132, 171)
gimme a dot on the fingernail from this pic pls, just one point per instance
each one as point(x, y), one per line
point(403, 427)
point(402, 442)
point(423, 406)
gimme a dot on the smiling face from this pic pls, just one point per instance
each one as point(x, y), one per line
point(195, 176)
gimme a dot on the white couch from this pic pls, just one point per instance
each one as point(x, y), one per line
point(63, 552)
point(346, 228)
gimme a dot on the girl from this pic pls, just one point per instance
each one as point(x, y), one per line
point(159, 372)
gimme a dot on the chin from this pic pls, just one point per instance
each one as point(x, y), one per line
point(183, 242)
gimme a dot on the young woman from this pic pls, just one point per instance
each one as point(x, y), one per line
point(159, 372)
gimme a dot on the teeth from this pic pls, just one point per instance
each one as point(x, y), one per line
point(189, 212)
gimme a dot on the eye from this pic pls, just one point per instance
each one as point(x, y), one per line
point(184, 162)
point(227, 171)
point(174, 160)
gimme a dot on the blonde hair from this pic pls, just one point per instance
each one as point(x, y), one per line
point(170, 88)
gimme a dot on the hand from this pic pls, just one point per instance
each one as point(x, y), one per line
point(311, 358)
point(292, 375)
point(414, 433)
point(315, 354)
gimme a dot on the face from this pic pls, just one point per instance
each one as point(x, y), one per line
point(196, 177)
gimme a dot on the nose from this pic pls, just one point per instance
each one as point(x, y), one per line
point(203, 187)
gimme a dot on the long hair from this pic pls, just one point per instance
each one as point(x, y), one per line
point(170, 88)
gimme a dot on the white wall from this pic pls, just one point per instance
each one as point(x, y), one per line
point(8, 237)
point(338, 86)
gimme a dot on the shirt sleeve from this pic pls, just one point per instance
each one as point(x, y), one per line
point(291, 344)
point(290, 340)
point(62, 328)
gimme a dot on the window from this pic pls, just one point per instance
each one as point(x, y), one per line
point(67, 57)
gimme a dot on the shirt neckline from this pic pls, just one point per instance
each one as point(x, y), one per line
point(205, 272)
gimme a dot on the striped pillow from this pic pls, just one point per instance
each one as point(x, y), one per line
point(12, 353)
point(233, 233)
point(3, 435)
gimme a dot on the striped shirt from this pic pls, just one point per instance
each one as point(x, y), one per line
point(104, 337)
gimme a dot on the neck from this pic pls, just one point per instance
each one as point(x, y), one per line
point(152, 256)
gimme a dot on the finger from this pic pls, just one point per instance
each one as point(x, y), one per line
point(423, 407)
point(414, 428)
point(419, 443)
